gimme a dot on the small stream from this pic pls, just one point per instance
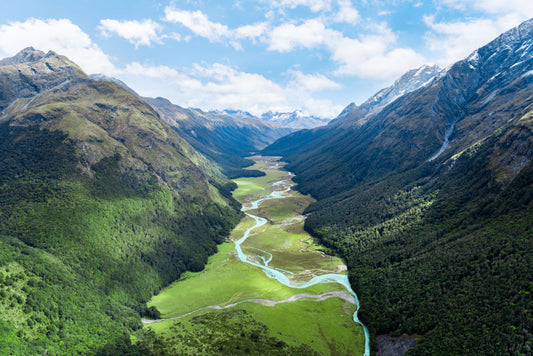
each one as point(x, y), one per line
point(280, 275)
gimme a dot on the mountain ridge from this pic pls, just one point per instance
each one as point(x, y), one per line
point(430, 203)
point(107, 199)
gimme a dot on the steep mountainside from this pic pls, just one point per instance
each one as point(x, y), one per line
point(102, 205)
point(224, 138)
point(431, 203)
point(297, 146)
point(410, 81)
point(449, 112)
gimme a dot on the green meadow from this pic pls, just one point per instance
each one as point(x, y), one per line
point(302, 326)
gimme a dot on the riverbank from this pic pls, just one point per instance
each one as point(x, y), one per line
point(314, 315)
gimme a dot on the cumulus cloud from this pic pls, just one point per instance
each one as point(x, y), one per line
point(521, 8)
point(136, 32)
point(311, 82)
point(372, 56)
point(310, 34)
point(347, 13)
point(455, 40)
point(313, 5)
point(61, 36)
point(199, 24)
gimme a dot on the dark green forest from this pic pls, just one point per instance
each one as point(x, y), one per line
point(80, 255)
point(443, 252)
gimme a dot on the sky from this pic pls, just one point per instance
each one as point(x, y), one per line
point(316, 56)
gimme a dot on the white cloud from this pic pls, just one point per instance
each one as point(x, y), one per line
point(347, 13)
point(219, 86)
point(310, 34)
point(371, 56)
point(137, 32)
point(198, 23)
point(522, 8)
point(455, 40)
point(251, 31)
point(313, 5)
point(311, 82)
point(61, 36)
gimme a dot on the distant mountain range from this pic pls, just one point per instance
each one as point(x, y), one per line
point(426, 190)
point(295, 120)
point(225, 138)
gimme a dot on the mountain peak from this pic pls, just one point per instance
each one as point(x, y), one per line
point(31, 72)
point(27, 55)
point(296, 119)
point(408, 82)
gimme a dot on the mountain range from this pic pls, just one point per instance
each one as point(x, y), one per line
point(428, 197)
point(224, 138)
point(425, 189)
point(296, 119)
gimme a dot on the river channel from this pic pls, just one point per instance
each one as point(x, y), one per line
point(284, 186)
point(273, 270)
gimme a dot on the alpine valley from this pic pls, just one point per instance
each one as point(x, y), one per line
point(425, 191)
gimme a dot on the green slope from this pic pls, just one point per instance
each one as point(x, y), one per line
point(103, 204)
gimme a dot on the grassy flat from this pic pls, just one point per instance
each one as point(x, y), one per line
point(225, 280)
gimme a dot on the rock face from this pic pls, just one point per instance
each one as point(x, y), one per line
point(31, 72)
point(397, 346)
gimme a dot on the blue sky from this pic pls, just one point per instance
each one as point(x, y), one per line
point(282, 55)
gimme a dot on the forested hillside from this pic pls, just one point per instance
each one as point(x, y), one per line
point(430, 202)
point(102, 204)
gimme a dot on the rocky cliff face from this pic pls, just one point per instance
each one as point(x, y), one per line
point(31, 72)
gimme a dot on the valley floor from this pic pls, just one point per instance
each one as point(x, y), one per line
point(237, 303)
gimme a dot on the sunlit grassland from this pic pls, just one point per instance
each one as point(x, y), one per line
point(292, 252)
point(248, 187)
point(326, 326)
point(225, 280)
